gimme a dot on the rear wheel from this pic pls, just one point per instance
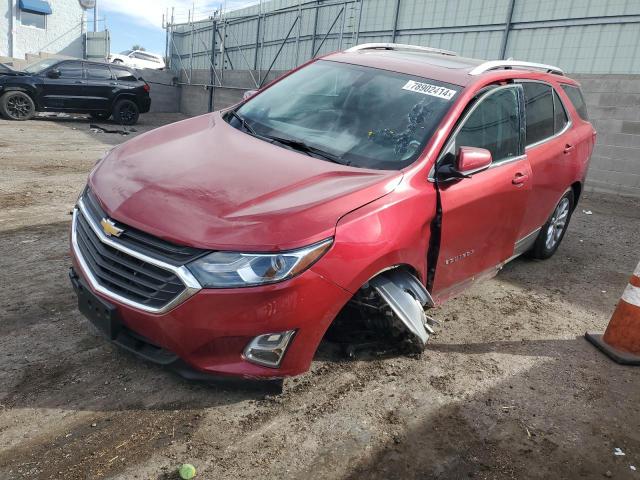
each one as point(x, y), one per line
point(100, 115)
point(17, 106)
point(126, 112)
point(553, 231)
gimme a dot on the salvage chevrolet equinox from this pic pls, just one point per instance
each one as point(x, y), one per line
point(360, 190)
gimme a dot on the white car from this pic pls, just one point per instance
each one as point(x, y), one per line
point(138, 59)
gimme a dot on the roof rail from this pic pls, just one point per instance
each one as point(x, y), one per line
point(507, 64)
point(399, 47)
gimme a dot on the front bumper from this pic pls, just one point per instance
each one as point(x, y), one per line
point(210, 330)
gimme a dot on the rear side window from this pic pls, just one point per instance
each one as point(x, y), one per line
point(560, 118)
point(98, 72)
point(494, 125)
point(575, 95)
point(539, 111)
point(123, 74)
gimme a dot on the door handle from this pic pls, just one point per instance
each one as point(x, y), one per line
point(520, 178)
point(78, 82)
point(113, 83)
point(568, 148)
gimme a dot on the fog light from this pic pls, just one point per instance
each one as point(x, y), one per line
point(269, 349)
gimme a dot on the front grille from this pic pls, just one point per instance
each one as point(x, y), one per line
point(143, 242)
point(124, 275)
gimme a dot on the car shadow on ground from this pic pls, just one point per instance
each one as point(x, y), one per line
point(536, 422)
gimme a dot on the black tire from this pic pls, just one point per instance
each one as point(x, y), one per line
point(118, 61)
point(126, 112)
point(100, 115)
point(553, 230)
point(17, 106)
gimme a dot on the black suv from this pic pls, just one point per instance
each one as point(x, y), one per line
point(54, 85)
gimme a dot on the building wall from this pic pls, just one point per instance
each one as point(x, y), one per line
point(63, 34)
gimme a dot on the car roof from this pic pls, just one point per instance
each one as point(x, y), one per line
point(89, 62)
point(444, 66)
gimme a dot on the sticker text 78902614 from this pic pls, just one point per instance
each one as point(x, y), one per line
point(428, 89)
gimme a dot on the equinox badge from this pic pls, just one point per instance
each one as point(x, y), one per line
point(109, 228)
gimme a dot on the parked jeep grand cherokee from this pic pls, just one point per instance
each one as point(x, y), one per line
point(54, 85)
point(359, 189)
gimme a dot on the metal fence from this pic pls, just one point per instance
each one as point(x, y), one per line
point(97, 45)
point(595, 36)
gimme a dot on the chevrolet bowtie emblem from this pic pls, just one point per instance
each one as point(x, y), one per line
point(110, 229)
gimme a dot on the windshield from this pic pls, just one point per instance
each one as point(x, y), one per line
point(5, 68)
point(41, 65)
point(362, 116)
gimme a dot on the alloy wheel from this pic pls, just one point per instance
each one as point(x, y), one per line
point(557, 224)
point(127, 113)
point(18, 107)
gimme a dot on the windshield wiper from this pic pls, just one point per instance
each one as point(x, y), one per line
point(289, 142)
point(243, 122)
point(308, 149)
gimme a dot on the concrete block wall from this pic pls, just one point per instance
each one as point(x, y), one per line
point(165, 94)
point(613, 102)
point(194, 98)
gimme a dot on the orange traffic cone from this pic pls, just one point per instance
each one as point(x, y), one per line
point(621, 340)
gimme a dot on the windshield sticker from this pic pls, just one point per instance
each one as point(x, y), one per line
point(428, 89)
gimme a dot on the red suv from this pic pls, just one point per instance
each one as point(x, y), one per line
point(356, 191)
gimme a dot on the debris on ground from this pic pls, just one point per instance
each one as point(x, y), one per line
point(617, 452)
point(98, 129)
point(587, 212)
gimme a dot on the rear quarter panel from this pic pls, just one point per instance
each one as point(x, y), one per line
point(584, 136)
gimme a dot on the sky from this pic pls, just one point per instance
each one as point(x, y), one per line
point(139, 22)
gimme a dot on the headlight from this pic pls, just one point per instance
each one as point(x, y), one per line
point(229, 269)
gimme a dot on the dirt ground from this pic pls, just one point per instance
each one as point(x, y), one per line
point(507, 389)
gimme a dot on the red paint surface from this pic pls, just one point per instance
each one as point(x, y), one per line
point(202, 183)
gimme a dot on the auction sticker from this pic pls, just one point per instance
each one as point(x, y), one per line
point(428, 89)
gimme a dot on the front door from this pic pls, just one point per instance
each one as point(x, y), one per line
point(482, 215)
point(66, 92)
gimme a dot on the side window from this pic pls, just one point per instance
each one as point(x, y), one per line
point(70, 70)
point(33, 19)
point(575, 95)
point(123, 74)
point(539, 114)
point(560, 118)
point(494, 125)
point(98, 72)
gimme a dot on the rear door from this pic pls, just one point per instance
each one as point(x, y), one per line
point(100, 86)
point(550, 147)
point(482, 215)
point(67, 92)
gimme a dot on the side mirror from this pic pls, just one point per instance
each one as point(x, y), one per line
point(472, 160)
point(468, 161)
point(53, 73)
point(248, 94)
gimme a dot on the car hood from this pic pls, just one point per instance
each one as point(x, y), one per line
point(203, 183)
